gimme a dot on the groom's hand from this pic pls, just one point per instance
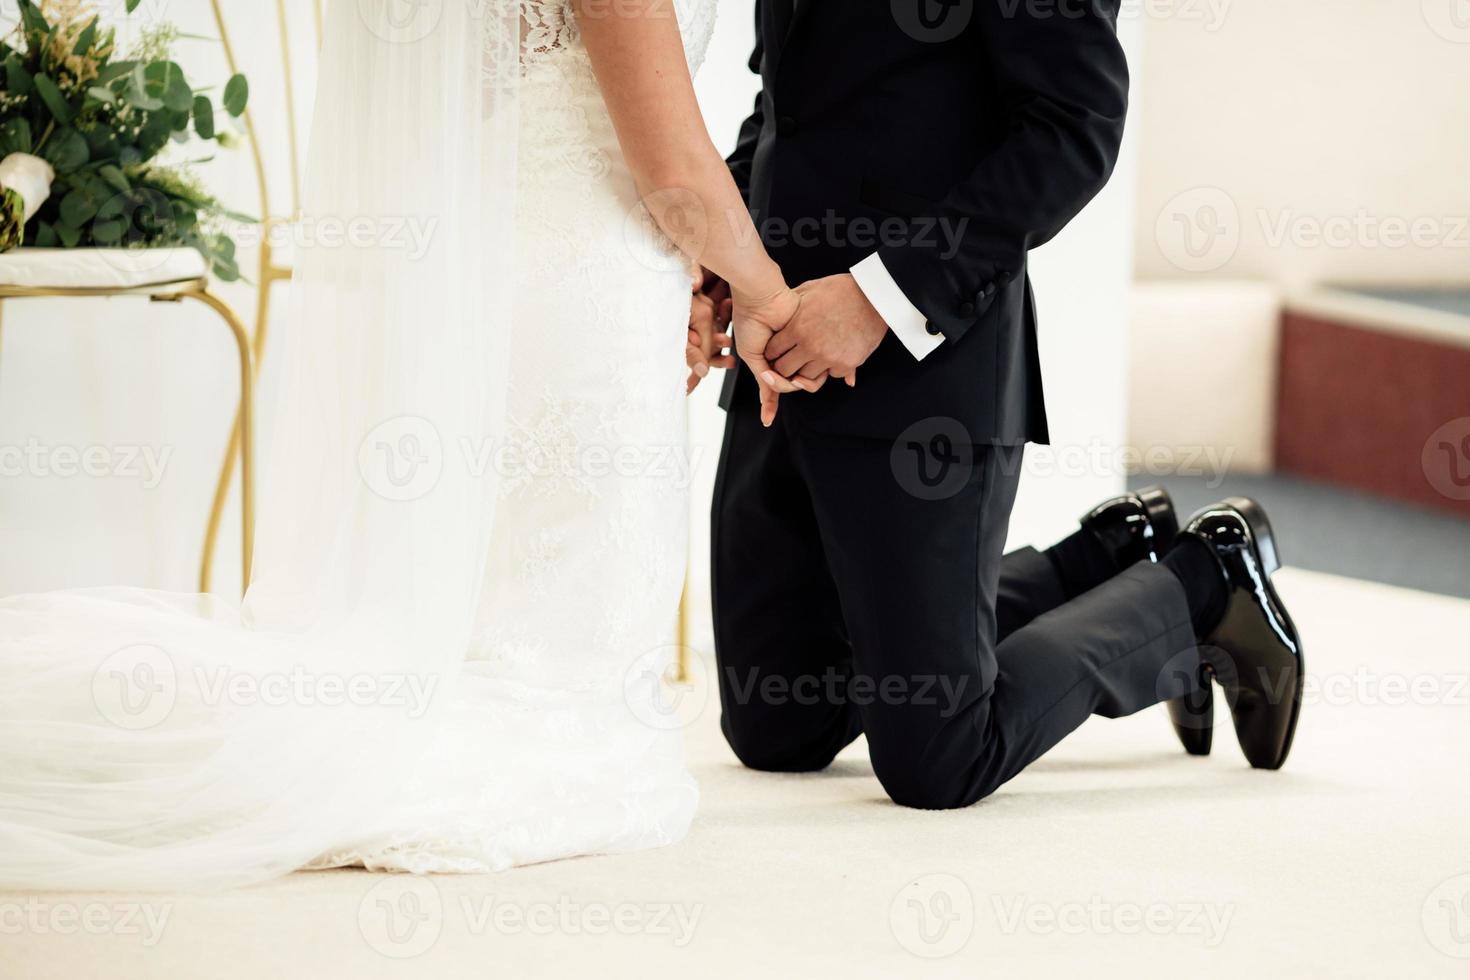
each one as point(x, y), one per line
point(833, 334)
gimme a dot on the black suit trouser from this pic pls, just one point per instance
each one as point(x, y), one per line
point(859, 587)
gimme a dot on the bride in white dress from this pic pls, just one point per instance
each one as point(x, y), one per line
point(472, 536)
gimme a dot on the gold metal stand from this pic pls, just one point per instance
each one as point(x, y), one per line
point(683, 634)
point(268, 272)
point(242, 440)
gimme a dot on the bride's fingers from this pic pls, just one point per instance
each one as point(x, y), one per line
point(770, 402)
point(695, 358)
point(761, 368)
point(777, 383)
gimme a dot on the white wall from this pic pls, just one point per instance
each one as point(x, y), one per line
point(1302, 140)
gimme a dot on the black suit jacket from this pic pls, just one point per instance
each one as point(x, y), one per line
point(951, 137)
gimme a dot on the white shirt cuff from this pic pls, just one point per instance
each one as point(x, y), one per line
point(903, 318)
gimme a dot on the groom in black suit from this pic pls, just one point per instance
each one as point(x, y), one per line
point(901, 160)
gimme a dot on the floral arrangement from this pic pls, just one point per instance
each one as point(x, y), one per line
point(88, 122)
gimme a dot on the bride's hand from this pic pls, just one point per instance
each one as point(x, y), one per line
point(707, 343)
point(757, 319)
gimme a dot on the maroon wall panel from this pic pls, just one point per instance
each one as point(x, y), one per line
point(1375, 411)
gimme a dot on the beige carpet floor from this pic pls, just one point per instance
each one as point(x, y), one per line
point(1114, 856)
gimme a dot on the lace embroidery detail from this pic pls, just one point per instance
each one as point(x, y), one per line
point(547, 454)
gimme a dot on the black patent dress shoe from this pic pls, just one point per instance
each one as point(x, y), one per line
point(1254, 652)
point(1135, 527)
point(1138, 527)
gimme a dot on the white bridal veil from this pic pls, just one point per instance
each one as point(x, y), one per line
point(152, 740)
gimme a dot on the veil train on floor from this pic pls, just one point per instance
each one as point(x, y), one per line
point(136, 747)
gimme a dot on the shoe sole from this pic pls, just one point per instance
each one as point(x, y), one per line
point(1264, 539)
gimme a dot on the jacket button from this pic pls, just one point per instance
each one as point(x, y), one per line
point(932, 328)
point(786, 126)
point(967, 309)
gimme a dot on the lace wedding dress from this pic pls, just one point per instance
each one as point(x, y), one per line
point(588, 550)
point(471, 541)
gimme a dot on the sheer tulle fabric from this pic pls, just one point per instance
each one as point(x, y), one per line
point(150, 740)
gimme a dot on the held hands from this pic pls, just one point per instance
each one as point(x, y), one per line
point(833, 334)
point(792, 340)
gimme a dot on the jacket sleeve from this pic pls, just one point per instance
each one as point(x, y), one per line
point(1063, 80)
point(742, 159)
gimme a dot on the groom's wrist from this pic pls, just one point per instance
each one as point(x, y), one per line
point(904, 320)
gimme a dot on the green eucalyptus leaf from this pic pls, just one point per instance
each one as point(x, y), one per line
point(101, 142)
point(132, 5)
point(78, 208)
point(185, 216)
point(108, 231)
point(225, 270)
point(67, 151)
point(115, 178)
point(114, 70)
point(55, 101)
point(15, 135)
point(165, 80)
point(204, 117)
point(17, 79)
point(46, 236)
point(237, 95)
point(32, 20)
point(86, 39)
point(137, 92)
point(114, 207)
point(70, 237)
